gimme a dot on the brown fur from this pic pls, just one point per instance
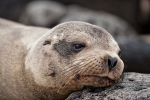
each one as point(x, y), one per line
point(31, 68)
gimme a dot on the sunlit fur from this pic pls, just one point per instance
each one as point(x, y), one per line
point(32, 68)
point(89, 67)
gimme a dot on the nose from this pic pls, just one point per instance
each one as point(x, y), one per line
point(112, 62)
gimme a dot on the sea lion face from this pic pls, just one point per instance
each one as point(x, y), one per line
point(73, 55)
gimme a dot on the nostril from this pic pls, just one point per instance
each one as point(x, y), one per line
point(115, 62)
point(112, 62)
point(109, 61)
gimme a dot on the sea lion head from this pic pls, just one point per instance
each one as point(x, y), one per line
point(73, 55)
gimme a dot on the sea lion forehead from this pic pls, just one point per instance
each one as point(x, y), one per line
point(69, 27)
point(71, 32)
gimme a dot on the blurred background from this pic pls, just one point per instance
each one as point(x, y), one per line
point(127, 20)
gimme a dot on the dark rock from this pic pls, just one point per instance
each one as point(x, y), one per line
point(126, 9)
point(135, 86)
point(136, 56)
point(12, 9)
point(42, 13)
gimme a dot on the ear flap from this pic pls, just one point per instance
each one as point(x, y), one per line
point(47, 42)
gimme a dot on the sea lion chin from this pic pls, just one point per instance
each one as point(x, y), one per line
point(62, 60)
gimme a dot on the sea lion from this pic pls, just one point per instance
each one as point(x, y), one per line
point(40, 63)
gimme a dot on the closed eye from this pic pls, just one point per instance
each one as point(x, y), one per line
point(77, 47)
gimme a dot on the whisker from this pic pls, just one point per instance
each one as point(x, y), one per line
point(74, 65)
point(66, 73)
point(67, 81)
point(69, 68)
point(81, 69)
point(75, 69)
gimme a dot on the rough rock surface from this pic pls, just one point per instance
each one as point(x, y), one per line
point(135, 86)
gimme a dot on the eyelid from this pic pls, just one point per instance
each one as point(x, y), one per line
point(47, 42)
point(76, 42)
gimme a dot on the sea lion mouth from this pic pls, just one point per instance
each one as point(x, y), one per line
point(102, 81)
point(95, 89)
point(100, 78)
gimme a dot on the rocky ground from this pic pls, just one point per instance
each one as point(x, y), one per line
point(135, 86)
